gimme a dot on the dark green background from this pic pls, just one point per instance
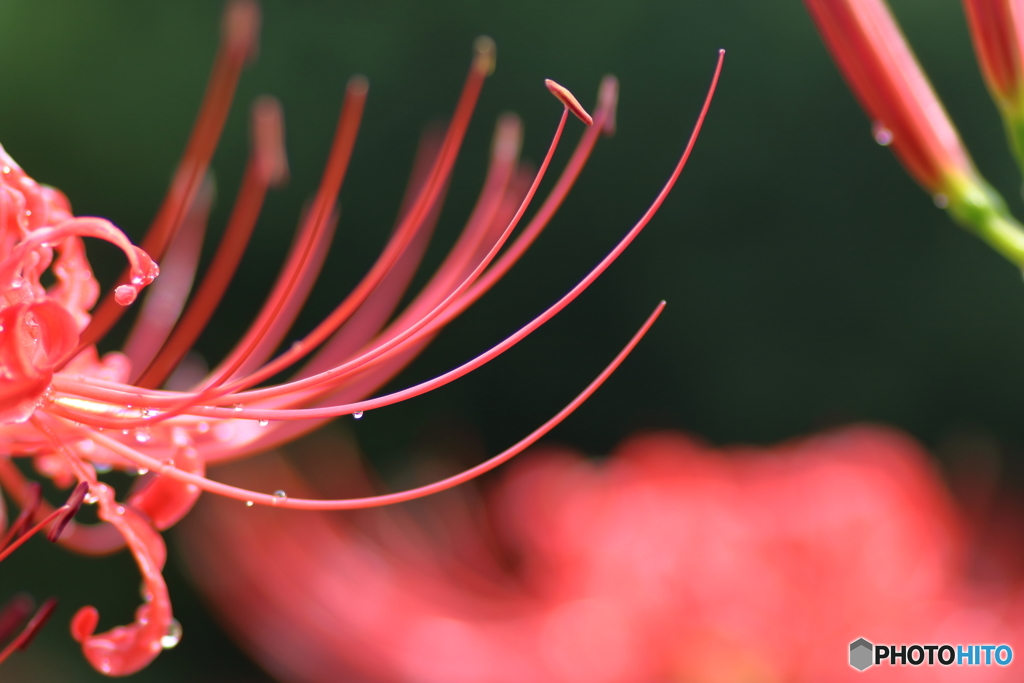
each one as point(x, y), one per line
point(809, 281)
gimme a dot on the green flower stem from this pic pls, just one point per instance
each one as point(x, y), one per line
point(975, 205)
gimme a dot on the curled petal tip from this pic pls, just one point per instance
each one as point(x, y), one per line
point(485, 54)
point(84, 623)
point(570, 101)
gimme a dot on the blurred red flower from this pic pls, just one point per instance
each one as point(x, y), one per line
point(672, 560)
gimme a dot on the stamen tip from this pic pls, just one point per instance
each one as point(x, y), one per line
point(268, 140)
point(608, 103)
point(485, 55)
point(570, 101)
point(358, 85)
point(241, 27)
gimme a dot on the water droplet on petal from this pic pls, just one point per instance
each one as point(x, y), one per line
point(248, 503)
point(237, 407)
point(203, 427)
point(7, 169)
point(125, 432)
point(143, 435)
point(358, 415)
point(882, 135)
point(264, 423)
point(173, 635)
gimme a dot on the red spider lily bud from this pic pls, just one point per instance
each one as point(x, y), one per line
point(883, 73)
point(997, 31)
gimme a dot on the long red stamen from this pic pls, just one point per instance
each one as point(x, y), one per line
point(267, 167)
point(166, 298)
point(239, 40)
point(483, 65)
point(374, 501)
point(317, 224)
point(31, 629)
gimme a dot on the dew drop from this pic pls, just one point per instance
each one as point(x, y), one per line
point(237, 407)
point(882, 135)
point(125, 432)
point(141, 471)
point(248, 503)
point(102, 467)
point(173, 635)
point(941, 200)
point(280, 494)
point(167, 463)
point(90, 498)
point(7, 169)
point(143, 435)
point(264, 423)
point(358, 415)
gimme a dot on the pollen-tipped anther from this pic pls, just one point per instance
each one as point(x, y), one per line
point(71, 508)
point(570, 101)
point(485, 55)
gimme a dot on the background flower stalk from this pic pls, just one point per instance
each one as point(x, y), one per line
point(881, 70)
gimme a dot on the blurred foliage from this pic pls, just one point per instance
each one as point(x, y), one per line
point(809, 281)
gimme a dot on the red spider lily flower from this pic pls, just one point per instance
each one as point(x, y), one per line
point(77, 415)
point(997, 31)
point(883, 73)
point(671, 560)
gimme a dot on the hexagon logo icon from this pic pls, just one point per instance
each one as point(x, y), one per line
point(861, 654)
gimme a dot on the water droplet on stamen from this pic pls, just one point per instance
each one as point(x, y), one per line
point(248, 503)
point(90, 499)
point(125, 432)
point(102, 467)
point(941, 200)
point(882, 135)
point(141, 471)
point(173, 636)
point(167, 463)
point(237, 407)
point(143, 435)
point(358, 415)
point(280, 494)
